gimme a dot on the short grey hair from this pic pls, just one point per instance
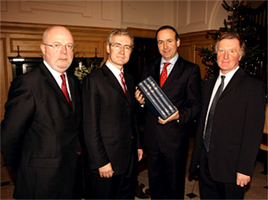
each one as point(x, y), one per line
point(121, 32)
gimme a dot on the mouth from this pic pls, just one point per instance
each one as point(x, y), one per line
point(62, 59)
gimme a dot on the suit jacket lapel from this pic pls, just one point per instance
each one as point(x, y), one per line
point(112, 80)
point(129, 87)
point(156, 72)
point(207, 94)
point(52, 83)
point(237, 77)
point(72, 89)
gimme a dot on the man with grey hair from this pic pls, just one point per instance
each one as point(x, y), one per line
point(230, 127)
point(110, 125)
point(43, 122)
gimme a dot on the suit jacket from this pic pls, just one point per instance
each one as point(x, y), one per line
point(110, 128)
point(39, 135)
point(183, 88)
point(237, 127)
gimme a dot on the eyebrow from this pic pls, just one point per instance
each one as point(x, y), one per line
point(165, 40)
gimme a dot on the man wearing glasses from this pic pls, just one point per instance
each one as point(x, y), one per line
point(110, 126)
point(42, 124)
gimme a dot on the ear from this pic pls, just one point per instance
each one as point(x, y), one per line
point(178, 42)
point(108, 48)
point(43, 49)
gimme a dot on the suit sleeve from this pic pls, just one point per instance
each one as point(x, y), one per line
point(20, 109)
point(193, 99)
point(91, 123)
point(253, 128)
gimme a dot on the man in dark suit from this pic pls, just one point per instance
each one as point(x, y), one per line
point(229, 131)
point(167, 140)
point(110, 124)
point(39, 133)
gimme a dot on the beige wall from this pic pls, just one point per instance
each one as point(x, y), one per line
point(186, 16)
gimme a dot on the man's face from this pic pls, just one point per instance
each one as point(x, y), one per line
point(119, 51)
point(228, 55)
point(167, 43)
point(58, 59)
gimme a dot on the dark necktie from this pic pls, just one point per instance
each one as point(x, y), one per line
point(123, 84)
point(64, 89)
point(211, 114)
point(163, 75)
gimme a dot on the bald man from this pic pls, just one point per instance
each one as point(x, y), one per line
point(42, 124)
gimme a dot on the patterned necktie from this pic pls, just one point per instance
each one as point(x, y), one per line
point(64, 89)
point(163, 75)
point(123, 84)
point(211, 114)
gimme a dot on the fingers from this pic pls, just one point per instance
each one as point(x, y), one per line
point(161, 121)
point(242, 179)
point(140, 154)
point(106, 171)
point(108, 174)
point(139, 96)
point(174, 116)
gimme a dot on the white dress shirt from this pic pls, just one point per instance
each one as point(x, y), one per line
point(58, 79)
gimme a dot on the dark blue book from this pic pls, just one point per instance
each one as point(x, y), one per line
point(155, 98)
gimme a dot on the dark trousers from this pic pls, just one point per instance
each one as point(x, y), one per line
point(166, 174)
point(210, 189)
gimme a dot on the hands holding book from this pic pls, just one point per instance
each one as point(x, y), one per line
point(175, 116)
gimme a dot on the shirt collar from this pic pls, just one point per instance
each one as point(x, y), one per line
point(54, 73)
point(230, 74)
point(172, 61)
point(114, 69)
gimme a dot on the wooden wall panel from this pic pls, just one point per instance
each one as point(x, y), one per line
point(185, 51)
point(191, 41)
point(3, 76)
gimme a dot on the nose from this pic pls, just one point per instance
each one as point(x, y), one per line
point(63, 49)
point(165, 45)
point(226, 55)
point(122, 50)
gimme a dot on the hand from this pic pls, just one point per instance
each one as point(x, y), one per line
point(139, 97)
point(106, 171)
point(140, 154)
point(175, 116)
point(242, 179)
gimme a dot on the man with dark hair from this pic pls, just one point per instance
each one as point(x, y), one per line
point(43, 122)
point(167, 140)
point(110, 125)
point(230, 127)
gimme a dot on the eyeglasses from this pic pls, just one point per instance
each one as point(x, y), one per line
point(59, 46)
point(118, 46)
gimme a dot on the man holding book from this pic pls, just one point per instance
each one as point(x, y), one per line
point(166, 140)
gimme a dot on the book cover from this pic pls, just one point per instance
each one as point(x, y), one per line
point(155, 98)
